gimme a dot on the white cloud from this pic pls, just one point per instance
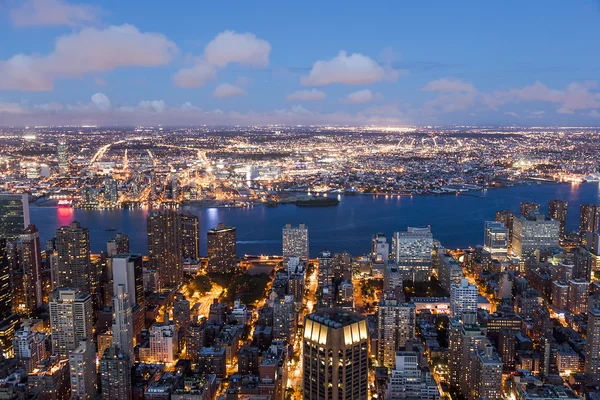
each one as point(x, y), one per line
point(512, 114)
point(449, 85)
point(101, 101)
point(226, 90)
point(88, 51)
point(306, 95)
point(50, 107)
point(196, 76)
point(157, 106)
point(362, 96)
point(241, 48)
point(53, 13)
point(356, 69)
point(12, 108)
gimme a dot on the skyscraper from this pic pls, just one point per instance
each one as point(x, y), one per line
point(31, 264)
point(334, 337)
point(496, 239)
point(589, 217)
point(395, 326)
point(221, 245)
point(284, 318)
point(578, 296)
point(181, 311)
point(164, 246)
point(115, 375)
point(557, 209)
point(190, 236)
point(534, 232)
point(74, 265)
point(409, 381)
point(14, 214)
point(488, 374)
point(592, 343)
point(122, 321)
point(465, 340)
point(380, 248)
point(506, 217)
point(118, 245)
point(295, 241)
point(70, 319)
point(5, 289)
point(62, 151)
point(527, 208)
point(29, 347)
point(463, 298)
point(82, 362)
point(413, 250)
point(128, 271)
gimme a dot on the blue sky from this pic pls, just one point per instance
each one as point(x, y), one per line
point(386, 63)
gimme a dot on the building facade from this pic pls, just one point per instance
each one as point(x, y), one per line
point(221, 243)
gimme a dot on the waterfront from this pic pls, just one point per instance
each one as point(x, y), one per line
point(457, 221)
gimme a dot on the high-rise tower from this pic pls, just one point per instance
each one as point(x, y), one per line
point(557, 209)
point(221, 248)
point(74, 265)
point(164, 246)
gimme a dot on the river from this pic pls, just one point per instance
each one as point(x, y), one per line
point(457, 221)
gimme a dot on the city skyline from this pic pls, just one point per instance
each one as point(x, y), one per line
point(390, 64)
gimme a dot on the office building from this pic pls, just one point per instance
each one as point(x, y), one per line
point(14, 215)
point(395, 326)
point(163, 342)
point(82, 364)
point(182, 314)
point(380, 248)
point(340, 338)
point(325, 269)
point(557, 209)
point(466, 338)
point(579, 291)
point(506, 217)
point(62, 154)
point(284, 318)
point(74, 264)
point(560, 295)
point(589, 217)
point(488, 375)
point(592, 343)
point(122, 326)
point(295, 242)
point(50, 380)
point(408, 380)
point(463, 298)
point(115, 375)
point(70, 319)
point(128, 270)
point(190, 236)
point(5, 278)
point(527, 208)
point(118, 245)
point(164, 246)
point(495, 239)
point(29, 347)
point(30, 258)
point(413, 249)
point(111, 192)
point(222, 254)
point(533, 233)
point(449, 271)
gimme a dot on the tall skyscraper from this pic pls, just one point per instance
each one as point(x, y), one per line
point(190, 235)
point(63, 158)
point(496, 239)
point(488, 375)
point(589, 217)
point(31, 264)
point(466, 338)
point(118, 245)
point(395, 326)
point(324, 268)
point(592, 343)
point(70, 319)
point(284, 318)
point(506, 217)
point(557, 209)
point(463, 298)
point(74, 264)
point(534, 232)
point(128, 271)
point(111, 192)
point(82, 362)
point(5, 289)
point(14, 215)
point(164, 246)
point(413, 250)
point(334, 337)
point(409, 381)
point(221, 245)
point(29, 347)
point(527, 208)
point(295, 241)
point(115, 375)
point(122, 326)
point(181, 311)
point(380, 248)
point(579, 290)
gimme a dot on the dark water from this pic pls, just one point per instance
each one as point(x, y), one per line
point(457, 221)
